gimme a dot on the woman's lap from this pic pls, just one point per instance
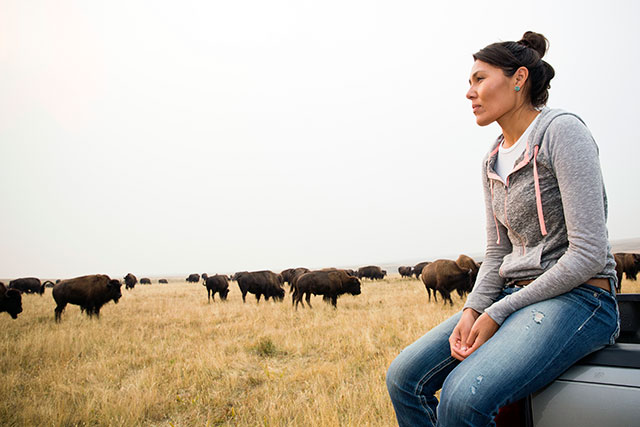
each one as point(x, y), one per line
point(532, 347)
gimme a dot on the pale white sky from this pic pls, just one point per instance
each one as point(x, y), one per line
point(165, 137)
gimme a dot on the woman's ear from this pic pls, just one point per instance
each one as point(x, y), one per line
point(520, 77)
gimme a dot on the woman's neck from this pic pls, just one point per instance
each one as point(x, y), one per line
point(515, 123)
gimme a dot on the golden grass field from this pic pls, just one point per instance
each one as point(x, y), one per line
point(164, 356)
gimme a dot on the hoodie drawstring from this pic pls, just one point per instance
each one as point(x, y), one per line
point(536, 180)
point(494, 214)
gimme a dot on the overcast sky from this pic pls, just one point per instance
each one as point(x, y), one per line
point(166, 137)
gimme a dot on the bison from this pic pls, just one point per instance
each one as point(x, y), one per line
point(165, 281)
point(260, 283)
point(218, 283)
point(371, 272)
point(417, 269)
point(145, 281)
point(289, 275)
point(629, 264)
point(445, 276)
point(89, 292)
point(405, 271)
point(130, 281)
point(330, 283)
point(28, 285)
point(10, 301)
point(193, 278)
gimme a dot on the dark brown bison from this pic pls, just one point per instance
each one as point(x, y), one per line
point(89, 292)
point(445, 276)
point(130, 281)
point(467, 263)
point(10, 301)
point(372, 272)
point(28, 285)
point(405, 271)
point(629, 264)
point(165, 281)
point(417, 269)
point(193, 278)
point(330, 283)
point(619, 258)
point(218, 283)
point(48, 284)
point(289, 275)
point(145, 281)
point(260, 283)
point(204, 276)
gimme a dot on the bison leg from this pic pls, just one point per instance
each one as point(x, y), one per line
point(244, 296)
point(446, 296)
point(58, 311)
point(334, 301)
point(258, 295)
point(308, 299)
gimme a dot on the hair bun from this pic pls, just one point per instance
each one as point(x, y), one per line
point(535, 41)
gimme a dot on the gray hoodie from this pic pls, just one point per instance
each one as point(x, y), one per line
point(547, 221)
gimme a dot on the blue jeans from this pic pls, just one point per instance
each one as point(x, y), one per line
point(532, 347)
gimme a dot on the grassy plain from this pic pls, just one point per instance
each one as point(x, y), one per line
point(164, 356)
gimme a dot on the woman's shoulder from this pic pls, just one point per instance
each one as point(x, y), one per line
point(559, 120)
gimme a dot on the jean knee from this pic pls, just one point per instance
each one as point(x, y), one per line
point(461, 404)
point(395, 376)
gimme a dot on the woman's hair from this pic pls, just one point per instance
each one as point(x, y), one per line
point(528, 52)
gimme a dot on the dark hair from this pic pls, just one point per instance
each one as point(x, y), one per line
point(528, 52)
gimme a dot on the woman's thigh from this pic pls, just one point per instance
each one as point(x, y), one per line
point(533, 346)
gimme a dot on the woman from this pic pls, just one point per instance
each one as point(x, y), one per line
point(544, 296)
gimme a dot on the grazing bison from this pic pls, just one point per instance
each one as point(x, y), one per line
point(193, 278)
point(629, 264)
point(445, 276)
point(130, 281)
point(89, 292)
point(145, 281)
point(10, 301)
point(405, 271)
point(28, 285)
point(417, 269)
point(260, 283)
point(289, 275)
point(371, 272)
point(163, 281)
point(330, 283)
point(218, 283)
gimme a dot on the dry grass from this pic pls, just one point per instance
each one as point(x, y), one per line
point(164, 356)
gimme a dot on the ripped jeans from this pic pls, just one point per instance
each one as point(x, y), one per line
point(532, 347)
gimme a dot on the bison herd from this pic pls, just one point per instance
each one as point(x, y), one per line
point(442, 277)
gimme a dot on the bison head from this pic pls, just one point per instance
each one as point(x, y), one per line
point(352, 286)
point(278, 294)
point(113, 288)
point(224, 293)
point(11, 302)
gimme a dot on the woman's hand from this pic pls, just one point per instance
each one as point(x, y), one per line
point(460, 334)
point(483, 328)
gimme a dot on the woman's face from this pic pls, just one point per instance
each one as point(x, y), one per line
point(492, 94)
